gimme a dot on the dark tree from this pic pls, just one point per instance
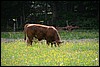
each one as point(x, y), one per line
point(56, 13)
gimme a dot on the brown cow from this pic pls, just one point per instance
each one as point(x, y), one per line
point(49, 33)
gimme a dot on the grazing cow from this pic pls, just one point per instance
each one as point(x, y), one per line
point(49, 33)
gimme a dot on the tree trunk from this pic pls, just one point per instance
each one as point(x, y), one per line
point(54, 16)
point(45, 13)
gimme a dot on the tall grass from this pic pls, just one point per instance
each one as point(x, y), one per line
point(39, 54)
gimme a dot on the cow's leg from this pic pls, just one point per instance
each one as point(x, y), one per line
point(54, 42)
point(58, 44)
point(51, 44)
point(55, 45)
point(47, 43)
point(30, 40)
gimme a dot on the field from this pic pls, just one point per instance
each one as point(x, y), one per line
point(80, 48)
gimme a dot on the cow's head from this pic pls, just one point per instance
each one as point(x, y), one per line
point(57, 42)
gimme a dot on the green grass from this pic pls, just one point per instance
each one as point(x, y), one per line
point(75, 34)
point(39, 54)
point(79, 34)
point(70, 53)
point(13, 35)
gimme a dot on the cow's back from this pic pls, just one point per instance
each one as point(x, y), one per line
point(38, 31)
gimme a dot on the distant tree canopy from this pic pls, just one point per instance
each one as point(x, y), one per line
point(57, 13)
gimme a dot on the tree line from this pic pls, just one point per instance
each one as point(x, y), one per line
point(57, 13)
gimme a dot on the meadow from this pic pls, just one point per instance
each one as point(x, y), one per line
point(81, 50)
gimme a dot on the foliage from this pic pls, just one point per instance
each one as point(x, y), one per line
point(81, 13)
point(88, 23)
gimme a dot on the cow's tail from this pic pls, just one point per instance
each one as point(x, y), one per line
point(25, 30)
point(24, 35)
